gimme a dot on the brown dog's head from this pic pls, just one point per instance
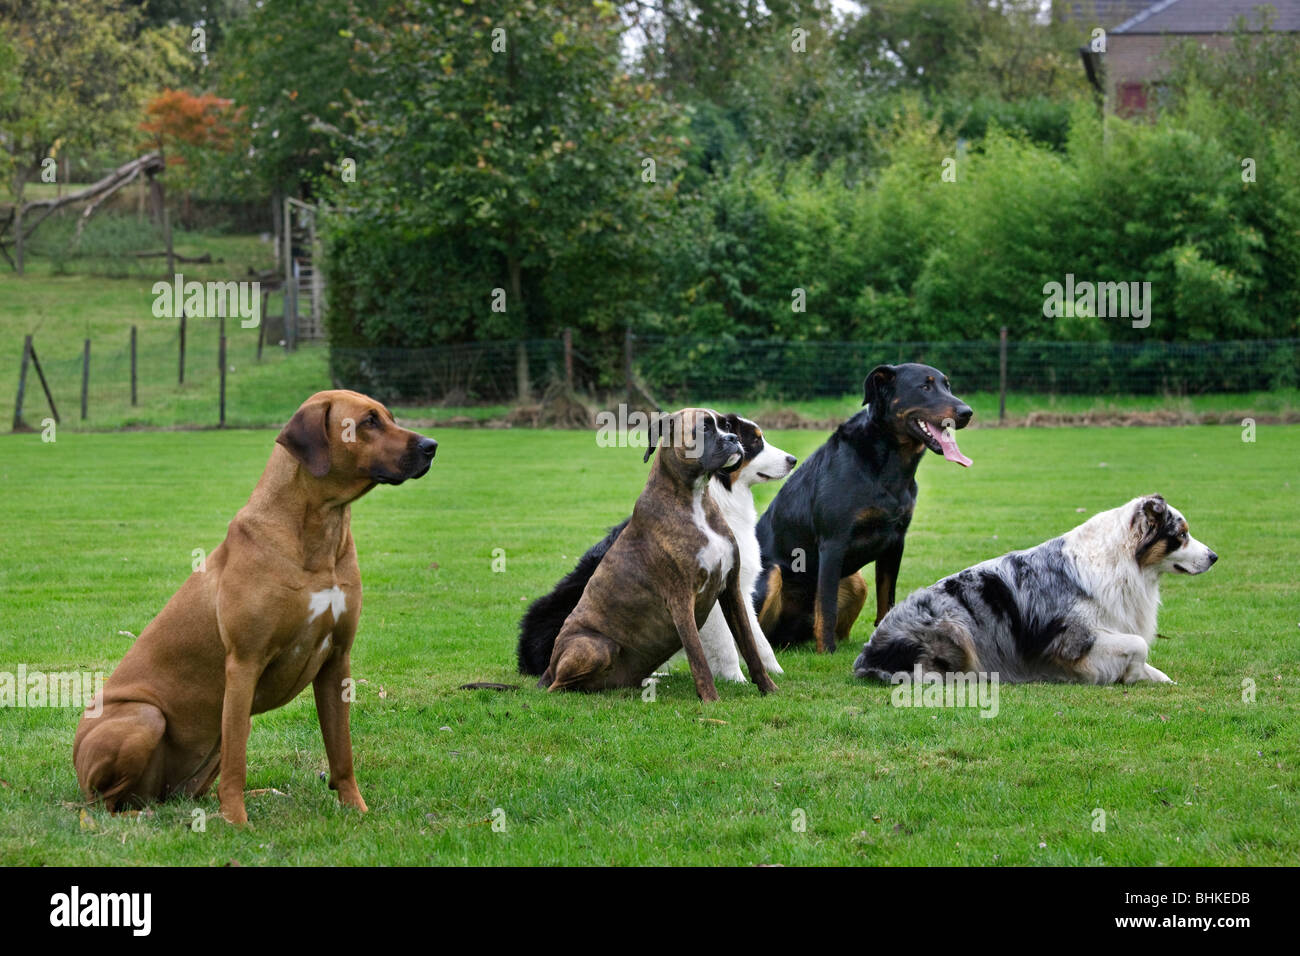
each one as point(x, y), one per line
point(695, 442)
point(349, 439)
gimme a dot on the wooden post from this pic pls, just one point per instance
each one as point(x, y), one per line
point(221, 357)
point(180, 379)
point(18, 237)
point(290, 305)
point(167, 237)
point(627, 361)
point(568, 359)
point(36, 364)
point(22, 383)
point(1002, 374)
point(85, 377)
point(133, 387)
point(261, 323)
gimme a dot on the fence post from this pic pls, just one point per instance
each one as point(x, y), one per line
point(1002, 374)
point(221, 357)
point(261, 323)
point(40, 374)
point(568, 358)
point(85, 377)
point(627, 361)
point(180, 379)
point(22, 383)
point(133, 391)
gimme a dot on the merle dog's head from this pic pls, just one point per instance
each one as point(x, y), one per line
point(917, 404)
point(760, 460)
point(1162, 541)
point(694, 442)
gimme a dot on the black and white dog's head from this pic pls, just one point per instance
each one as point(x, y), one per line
point(1161, 539)
point(760, 460)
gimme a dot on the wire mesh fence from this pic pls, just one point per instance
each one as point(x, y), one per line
point(461, 374)
point(160, 397)
point(678, 368)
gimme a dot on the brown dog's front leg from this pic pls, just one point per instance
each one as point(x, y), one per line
point(684, 618)
point(332, 709)
point(236, 721)
point(733, 611)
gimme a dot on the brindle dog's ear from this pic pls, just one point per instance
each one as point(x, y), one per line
point(653, 434)
point(879, 380)
point(306, 436)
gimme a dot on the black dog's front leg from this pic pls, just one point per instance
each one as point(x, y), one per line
point(887, 579)
point(830, 560)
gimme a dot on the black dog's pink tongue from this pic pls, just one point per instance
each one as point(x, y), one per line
point(949, 445)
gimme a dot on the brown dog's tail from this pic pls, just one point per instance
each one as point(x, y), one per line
point(541, 624)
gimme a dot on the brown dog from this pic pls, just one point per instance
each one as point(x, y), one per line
point(656, 585)
point(274, 608)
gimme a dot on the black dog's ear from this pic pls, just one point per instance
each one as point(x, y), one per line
point(306, 436)
point(879, 379)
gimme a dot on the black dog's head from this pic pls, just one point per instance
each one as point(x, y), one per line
point(695, 442)
point(917, 404)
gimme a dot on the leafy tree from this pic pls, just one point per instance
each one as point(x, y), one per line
point(509, 133)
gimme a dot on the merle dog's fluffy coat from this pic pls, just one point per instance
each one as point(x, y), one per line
point(1079, 608)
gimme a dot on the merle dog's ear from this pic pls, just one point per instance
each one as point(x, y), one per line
point(1151, 513)
point(306, 436)
point(879, 380)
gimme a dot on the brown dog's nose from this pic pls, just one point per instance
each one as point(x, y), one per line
point(427, 447)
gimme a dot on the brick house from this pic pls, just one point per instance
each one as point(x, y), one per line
point(1128, 73)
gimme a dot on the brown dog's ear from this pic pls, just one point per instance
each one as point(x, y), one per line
point(878, 381)
point(306, 436)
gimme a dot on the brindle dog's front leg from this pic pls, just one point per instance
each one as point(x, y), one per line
point(734, 611)
point(682, 609)
point(332, 709)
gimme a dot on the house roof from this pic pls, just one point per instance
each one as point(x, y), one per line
point(1209, 16)
point(1106, 13)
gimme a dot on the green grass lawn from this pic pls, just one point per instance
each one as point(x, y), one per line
point(98, 531)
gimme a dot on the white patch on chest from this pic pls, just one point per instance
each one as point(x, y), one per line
point(332, 599)
point(718, 552)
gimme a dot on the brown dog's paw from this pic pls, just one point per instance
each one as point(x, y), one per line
point(236, 816)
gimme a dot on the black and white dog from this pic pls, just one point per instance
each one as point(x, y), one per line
point(1080, 608)
point(733, 493)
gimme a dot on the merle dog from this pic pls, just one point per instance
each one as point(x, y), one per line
point(850, 504)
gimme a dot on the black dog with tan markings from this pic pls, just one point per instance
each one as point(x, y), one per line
point(850, 504)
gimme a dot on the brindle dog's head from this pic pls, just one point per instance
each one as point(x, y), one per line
point(1162, 540)
point(350, 440)
point(916, 403)
point(695, 442)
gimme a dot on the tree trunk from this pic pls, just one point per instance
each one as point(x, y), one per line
point(521, 350)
